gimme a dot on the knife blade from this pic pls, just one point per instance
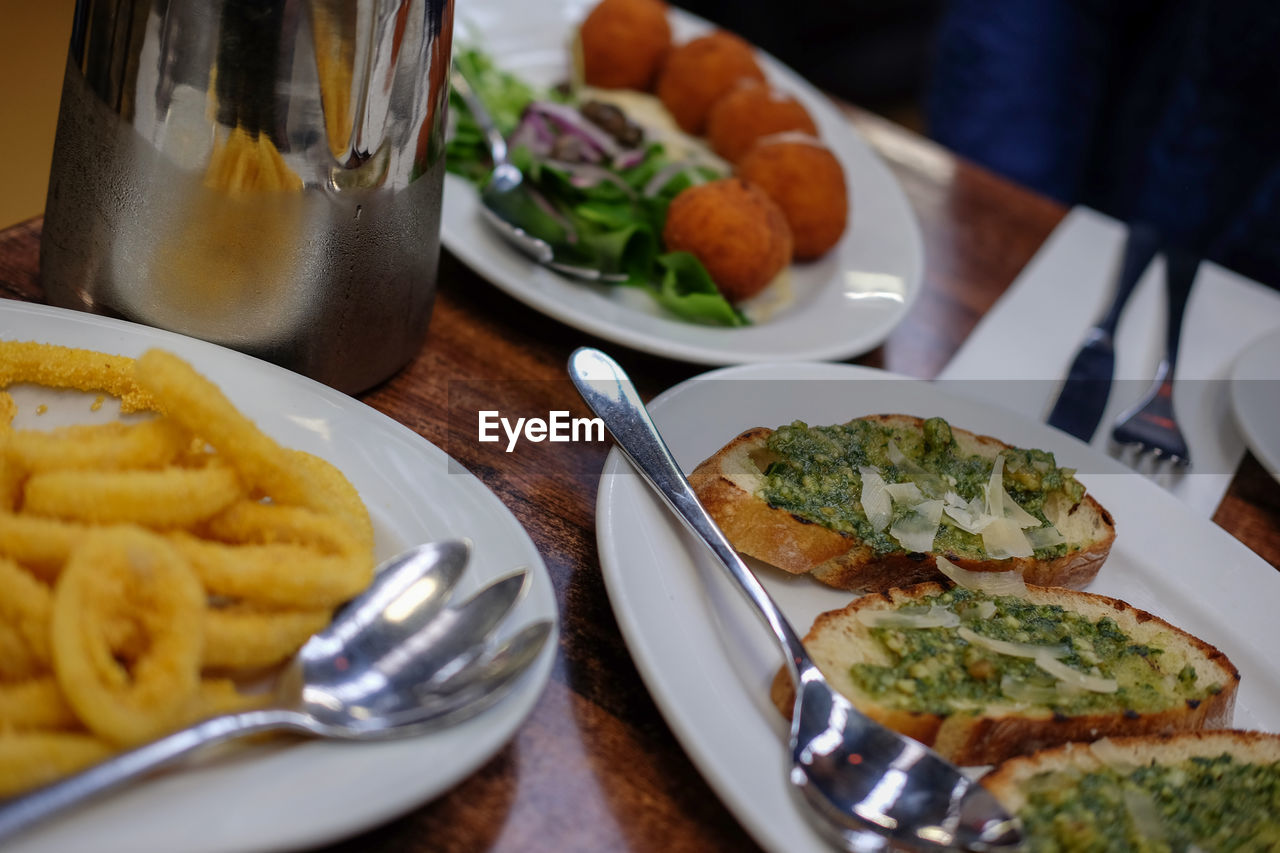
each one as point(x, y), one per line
point(1083, 396)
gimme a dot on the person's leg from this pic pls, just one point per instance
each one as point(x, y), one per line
point(1017, 86)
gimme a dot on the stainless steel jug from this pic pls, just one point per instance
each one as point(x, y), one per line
point(264, 174)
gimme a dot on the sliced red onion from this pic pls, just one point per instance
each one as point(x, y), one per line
point(534, 133)
point(585, 175)
point(629, 159)
point(569, 120)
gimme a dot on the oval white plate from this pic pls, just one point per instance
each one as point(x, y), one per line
point(287, 796)
point(1255, 399)
point(707, 659)
point(846, 303)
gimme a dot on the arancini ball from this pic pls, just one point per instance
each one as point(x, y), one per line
point(735, 230)
point(623, 43)
point(750, 111)
point(698, 72)
point(807, 182)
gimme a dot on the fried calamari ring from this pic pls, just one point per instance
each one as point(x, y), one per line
point(341, 497)
point(133, 572)
point(39, 544)
point(104, 447)
point(197, 404)
point(67, 367)
point(246, 637)
point(171, 497)
point(28, 759)
point(36, 703)
point(25, 608)
point(280, 574)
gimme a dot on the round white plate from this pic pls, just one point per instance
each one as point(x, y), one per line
point(287, 796)
point(708, 660)
point(1255, 399)
point(846, 303)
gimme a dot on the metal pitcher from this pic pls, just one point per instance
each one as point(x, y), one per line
point(264, 174)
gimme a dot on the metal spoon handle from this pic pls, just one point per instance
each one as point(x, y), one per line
point(22, 812)
point(609, 392)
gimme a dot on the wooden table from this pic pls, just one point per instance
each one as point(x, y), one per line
point(595, 768)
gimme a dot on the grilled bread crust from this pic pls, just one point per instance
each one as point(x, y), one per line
point(1007, 781)
point(838, 640)
point(728, 483)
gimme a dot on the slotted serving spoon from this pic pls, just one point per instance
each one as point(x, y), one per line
point(396, 661)
point(866, 787)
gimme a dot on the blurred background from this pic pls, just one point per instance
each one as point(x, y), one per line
point(33, 54)
point(1165, 111)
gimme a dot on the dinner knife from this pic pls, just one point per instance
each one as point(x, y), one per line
point(1083, 396)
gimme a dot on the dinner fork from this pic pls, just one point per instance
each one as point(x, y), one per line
point(1150, 428)
point(507, 192)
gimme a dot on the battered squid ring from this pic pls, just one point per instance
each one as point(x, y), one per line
point(28, 759)
point(104, 447)
point(127, 573)
point(25, 608)
point(36, 703)
point(201, 407)
point(40, 544)
point(173, 497)
point(68, 367)
point(277, 574)
point(247, 637)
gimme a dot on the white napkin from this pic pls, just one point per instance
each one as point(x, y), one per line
point(1033, 333)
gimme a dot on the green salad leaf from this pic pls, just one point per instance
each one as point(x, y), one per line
point(605, 221)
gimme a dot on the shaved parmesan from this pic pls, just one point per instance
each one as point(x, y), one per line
point(1045, 537)
point(875, 500)
point(992, 583)
point(1015, 513)
point(969, 516)
point(1032, 694)
point(1074, 677)
point(1113, 756)
point(1013, 650)
point(1002, 538)
point(930, 483)
point(909, 617)
point(906, 493)
point(916, 530)
point(995, 488)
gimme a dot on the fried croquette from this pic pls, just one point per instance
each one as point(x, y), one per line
point(807, 182)
point(735, 230)
point(623, 43)
point(698, 72)
point(749, 111)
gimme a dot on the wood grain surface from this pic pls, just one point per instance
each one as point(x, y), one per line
point(595, 768)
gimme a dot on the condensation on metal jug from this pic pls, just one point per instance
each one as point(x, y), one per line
point(262, 174)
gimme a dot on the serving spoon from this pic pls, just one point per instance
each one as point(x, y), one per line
point(866, 786)
point(396, 661)
point(507, 193)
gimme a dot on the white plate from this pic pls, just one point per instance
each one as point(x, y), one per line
point(289, 796)
point(846, 303)
point(708, 660)
point(1255, 399)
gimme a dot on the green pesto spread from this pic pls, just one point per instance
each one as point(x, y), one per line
point(1213, 804)
point(936, 670)
point(812, 473)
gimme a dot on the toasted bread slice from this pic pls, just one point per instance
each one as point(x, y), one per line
point(975, 721)
point(729, 485)
point(1079, 795)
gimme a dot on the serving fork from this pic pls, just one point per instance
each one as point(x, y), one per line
point(507, 193)
point(1149, 429)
